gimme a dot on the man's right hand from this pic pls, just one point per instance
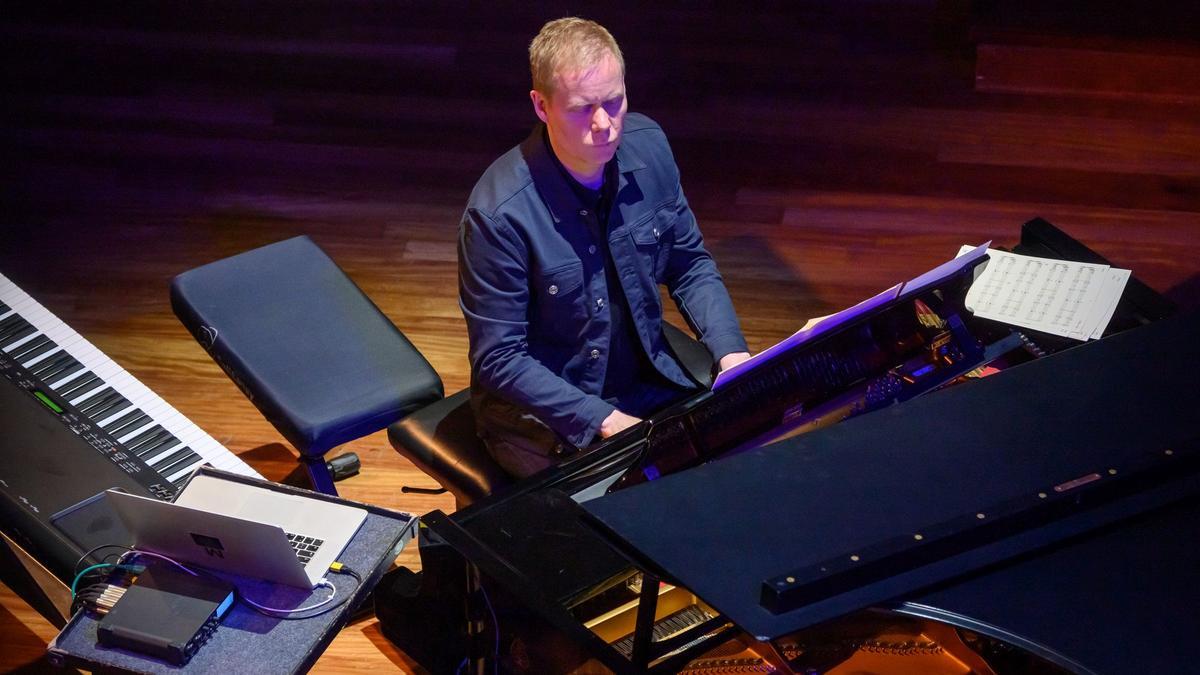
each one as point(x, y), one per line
point(617, 421)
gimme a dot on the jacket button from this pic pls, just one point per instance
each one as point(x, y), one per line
point(583, 212)
point(595, 353)
point(553, 290)
point(599, 302)
point(656, 233)
point(592, 249)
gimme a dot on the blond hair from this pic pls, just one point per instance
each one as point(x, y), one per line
point(567, 43)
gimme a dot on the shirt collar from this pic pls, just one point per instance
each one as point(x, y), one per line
point(549, 180)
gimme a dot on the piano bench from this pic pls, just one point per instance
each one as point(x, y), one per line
point(440, 440)
point(305, 345)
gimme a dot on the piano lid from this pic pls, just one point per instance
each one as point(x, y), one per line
point(894, 501)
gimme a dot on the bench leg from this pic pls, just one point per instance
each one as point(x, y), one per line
point(319, 474)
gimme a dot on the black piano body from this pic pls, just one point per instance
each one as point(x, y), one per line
point(1040, 520)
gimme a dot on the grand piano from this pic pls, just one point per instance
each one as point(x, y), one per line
point(868, 504)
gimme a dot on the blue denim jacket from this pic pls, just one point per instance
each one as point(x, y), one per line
point(533, 290)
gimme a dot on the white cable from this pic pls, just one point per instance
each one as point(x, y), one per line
point(324, 582)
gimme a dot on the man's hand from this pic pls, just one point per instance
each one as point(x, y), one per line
point(730, 360)
point(615, 422)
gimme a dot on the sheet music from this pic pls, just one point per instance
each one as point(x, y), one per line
point(1072, 299)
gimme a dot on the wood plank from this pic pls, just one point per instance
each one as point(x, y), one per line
point(1050, 70)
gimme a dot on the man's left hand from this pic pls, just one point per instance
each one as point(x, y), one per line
point(730, 360)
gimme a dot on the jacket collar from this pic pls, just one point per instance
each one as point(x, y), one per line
point(552, 185)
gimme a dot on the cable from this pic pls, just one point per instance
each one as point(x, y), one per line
point(75, 570)
point(79, 576)
point(121, 564)
point(496, 626)
point(274, 611)
point(75, 582)
point(283, 613)
point(135, 553)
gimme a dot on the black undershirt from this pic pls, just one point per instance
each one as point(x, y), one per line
point(629, 370)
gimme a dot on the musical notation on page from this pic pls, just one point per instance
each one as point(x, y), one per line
point(1060, 297)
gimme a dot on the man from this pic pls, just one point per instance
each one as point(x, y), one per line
point(563, 244)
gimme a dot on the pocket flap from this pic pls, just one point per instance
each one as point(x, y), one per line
point(562, 280)
point(653, 229)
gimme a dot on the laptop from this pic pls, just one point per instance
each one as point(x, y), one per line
point(243, 529)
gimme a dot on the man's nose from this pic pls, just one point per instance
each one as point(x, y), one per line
point(600, 120)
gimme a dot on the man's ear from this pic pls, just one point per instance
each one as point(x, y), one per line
point(539, 104)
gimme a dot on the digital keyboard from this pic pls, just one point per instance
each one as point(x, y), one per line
point(101, 402)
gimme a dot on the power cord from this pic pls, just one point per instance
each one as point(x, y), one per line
point(284, 613)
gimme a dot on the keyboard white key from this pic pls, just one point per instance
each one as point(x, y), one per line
point(174, 452)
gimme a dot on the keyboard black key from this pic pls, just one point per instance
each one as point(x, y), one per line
point(18, 335)
point(51, 363)
point(109, 409)
point(69, 367)
point(78, 386)
point(66, 375)
point(169, 466)
point(104, 397)
point(3, 308)
point(160, 460)
point(12, 323)
point(139, 442)
point(127, 423)
point(154, 448)
point(30, 350)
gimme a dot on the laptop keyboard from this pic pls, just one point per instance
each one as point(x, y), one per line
point(305, 547)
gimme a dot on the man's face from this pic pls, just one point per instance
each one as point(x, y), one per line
point(584, 116)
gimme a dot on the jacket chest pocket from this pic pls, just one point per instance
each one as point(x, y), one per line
point(653, 237)
point(558, 293)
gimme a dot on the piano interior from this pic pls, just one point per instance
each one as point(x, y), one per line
point(869, 641)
